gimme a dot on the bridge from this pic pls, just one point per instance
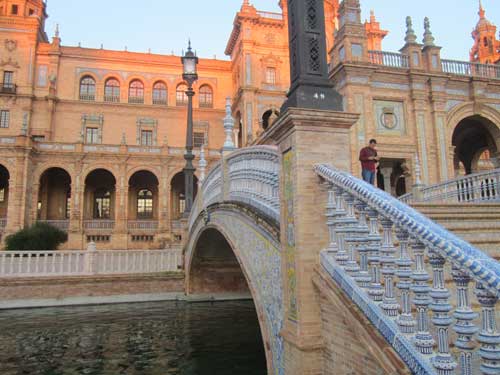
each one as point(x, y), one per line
point(345, 278)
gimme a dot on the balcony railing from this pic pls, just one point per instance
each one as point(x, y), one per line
point(394, 60)
point(159, 101)
point(470, 69)
point(271, 15)
point(143, 225)
point(8, 88)
point(480, 187)
point(87, 97)
point(112, 98)
point(99, 224)
point(136, 99)
point(61, 224)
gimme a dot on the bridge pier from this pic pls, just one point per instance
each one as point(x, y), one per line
point(305, 137)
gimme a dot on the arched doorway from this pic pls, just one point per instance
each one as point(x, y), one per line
point(4, 195)
point(474, 138)
point(99, 196)
point(143, 196)
point(215, 270)
point(54, 197)
point(177, 195)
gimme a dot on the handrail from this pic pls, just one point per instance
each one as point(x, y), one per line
point(249, 176)
point(473, 188)
point(362, 260)
point(90, 262)
point(392, 59)
point(466, 68)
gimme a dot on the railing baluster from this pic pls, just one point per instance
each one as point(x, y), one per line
point(363, 277)
point(331, 213)
point(423, 339)
point(489, 337)
point(351, 235)
point(375, 291)
point(405, 320)
point(389, 303)
point(341, 257)
point(464, 326)
point(440, 306)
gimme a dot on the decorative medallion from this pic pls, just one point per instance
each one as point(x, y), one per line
point(389, 119)
point(10, 44)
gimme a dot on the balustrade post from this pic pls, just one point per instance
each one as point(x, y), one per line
point(331, 209)
point(421, 289)
point(440, 306)
point(340, 223)
point(389, 303)
point(489, 337)
point(363, 277)
point(351, 236)
point(375, 289)
point(464, 326)
point(90, 258)
point(405, 320)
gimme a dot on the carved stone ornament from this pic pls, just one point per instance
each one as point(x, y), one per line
point(10, 45)
point(10, 62)
point(389, 119)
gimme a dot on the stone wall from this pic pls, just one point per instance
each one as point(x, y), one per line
point(89, 286)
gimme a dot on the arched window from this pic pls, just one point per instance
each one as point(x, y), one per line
point(87, 88)
point(485, 41)
point(102, 204)
point(136, 92)
point(144, 204)
point(160, 93)
point(180, 94)
point(112, 90)
point(206, 97)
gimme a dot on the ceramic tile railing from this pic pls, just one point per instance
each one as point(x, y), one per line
point(75, 263)
point(148, 225)
point(249, 176)
point(479, 187)
point(402, 286)
point(61, 224)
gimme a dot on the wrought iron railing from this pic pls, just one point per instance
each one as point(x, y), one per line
point(416, 290)
point(252, 178)
point(474, 188)
point(87, 97)
point(8, 88)
point(136, 99)
point(395, 60)
point(112, 98)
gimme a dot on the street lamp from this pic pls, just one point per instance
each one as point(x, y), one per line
point(189, 62)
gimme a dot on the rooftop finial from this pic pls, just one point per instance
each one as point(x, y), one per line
point(189, 45)
point(482, 12)
point(428, 38)
point(372, 16)
point(57, 31)
point(410, 33)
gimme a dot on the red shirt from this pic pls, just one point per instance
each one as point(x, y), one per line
point(364, 154)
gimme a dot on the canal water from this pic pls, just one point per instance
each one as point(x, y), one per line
point(162, 338)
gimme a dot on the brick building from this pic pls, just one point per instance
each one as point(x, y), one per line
point(92, 140)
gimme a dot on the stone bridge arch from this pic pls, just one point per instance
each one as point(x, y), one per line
point(236, 235)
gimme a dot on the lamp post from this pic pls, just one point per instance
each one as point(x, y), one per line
point(189, 62)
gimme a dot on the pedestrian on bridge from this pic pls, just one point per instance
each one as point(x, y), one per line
point(369, 158)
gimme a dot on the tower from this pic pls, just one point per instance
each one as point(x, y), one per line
point(374, 34)
point(486, 48)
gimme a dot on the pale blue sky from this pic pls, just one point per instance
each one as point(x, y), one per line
point(163, 26)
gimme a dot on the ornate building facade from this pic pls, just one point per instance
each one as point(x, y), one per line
point(92, 140)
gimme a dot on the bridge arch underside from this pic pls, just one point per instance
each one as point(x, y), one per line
point(473, 138)
point(231, 251)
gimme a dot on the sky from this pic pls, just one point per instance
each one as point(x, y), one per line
point(164, 26)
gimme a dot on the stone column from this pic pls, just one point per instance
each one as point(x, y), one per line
point(305, 137)
point(386, 172)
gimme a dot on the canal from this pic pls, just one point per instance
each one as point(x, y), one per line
point(160, 338)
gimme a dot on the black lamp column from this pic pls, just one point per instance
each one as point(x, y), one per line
point(189, 62)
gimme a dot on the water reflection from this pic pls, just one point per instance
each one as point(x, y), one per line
point(147, 339)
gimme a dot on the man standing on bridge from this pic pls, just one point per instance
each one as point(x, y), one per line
point(369, 158)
